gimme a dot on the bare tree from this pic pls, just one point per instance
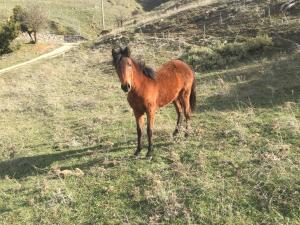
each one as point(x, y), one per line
point(120, 20)
point(34, 20)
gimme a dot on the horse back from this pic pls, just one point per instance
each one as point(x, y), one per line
point(172, 78)
point(174, 68)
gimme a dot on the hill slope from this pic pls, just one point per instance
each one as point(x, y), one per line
point(83, 17)
point(68, 135)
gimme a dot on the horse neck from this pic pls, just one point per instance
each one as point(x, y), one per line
point(138, 78)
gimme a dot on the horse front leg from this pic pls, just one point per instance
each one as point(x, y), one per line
point(150, 124)
point(139, 128)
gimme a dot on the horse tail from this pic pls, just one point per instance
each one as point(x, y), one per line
point(193, 96)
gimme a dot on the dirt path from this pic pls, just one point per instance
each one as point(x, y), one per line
point(59, 51)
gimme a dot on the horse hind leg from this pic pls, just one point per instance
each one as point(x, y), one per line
point(150, 125)
point(178, 108)
point(185, 99)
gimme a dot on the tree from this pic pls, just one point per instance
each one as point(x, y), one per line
point(35, 19)
point(120, 20)
point(31, 20)
point(8, 33)
point(19, 15)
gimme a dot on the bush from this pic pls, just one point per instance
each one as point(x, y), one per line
point(19, 15)
point(135, 12)
point(222, 55)
point(203, 58)
point(232, 50)
point(258, 43)
point(8, 33)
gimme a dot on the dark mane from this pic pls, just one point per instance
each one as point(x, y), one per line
point(147, 70)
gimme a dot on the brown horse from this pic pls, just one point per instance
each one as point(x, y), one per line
point(148, 90)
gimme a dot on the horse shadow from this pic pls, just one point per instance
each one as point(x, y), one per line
point(27, 166)
point(273, 84)
point(41, 164)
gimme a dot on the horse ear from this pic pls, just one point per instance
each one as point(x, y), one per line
point(126, 52)
point(114, 53)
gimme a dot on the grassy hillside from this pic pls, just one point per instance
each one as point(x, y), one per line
point(227, 21)
point(240, 165)
point(24, 53)
point(83, 17)
point(68, 135)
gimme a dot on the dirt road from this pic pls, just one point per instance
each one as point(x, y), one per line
point(59, 51)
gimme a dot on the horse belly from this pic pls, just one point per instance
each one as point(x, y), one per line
point(168, 94)
point(174, 77)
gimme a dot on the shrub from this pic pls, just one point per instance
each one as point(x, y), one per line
point(18, 16)
point(232, 50)
point(8, 33)
point(204, 58)
point(258, 43)
point(135, 12)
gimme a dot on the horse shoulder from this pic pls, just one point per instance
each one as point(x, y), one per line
point(144, 98)
point(136, 102)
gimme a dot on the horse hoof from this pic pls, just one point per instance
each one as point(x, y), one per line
point(149, 158)
point(175, 133)
point(137, 152)
point(137, 157)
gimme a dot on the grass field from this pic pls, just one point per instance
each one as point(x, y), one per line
point(68, 137)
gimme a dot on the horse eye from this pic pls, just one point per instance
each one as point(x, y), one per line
point(129, 64)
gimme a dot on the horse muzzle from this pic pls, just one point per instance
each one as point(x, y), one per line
point(126, 87)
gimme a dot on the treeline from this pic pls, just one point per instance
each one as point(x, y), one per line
point(26, 20)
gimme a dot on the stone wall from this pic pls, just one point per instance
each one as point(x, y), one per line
point(42, 37)
point(74, 38)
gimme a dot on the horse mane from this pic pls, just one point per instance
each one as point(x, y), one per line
point(146, 70)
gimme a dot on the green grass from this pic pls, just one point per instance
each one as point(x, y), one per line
point(68, 136)
point(240, 164)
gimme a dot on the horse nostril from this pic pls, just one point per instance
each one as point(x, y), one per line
point(126, 87)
